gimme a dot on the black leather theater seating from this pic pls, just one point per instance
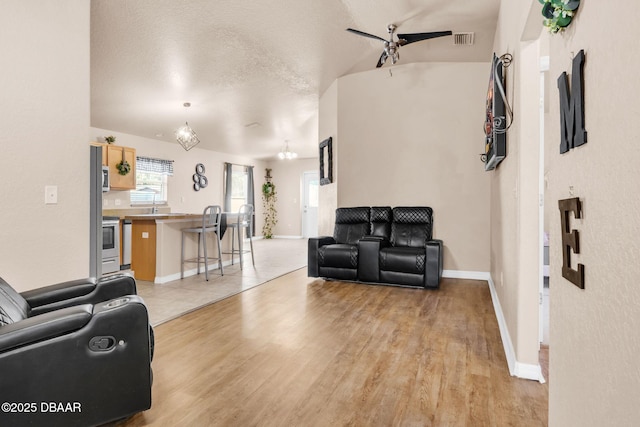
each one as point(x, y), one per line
point(74, 354)
point(379, 245)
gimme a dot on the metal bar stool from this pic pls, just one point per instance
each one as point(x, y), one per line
point(244, 222)
point(211, 218)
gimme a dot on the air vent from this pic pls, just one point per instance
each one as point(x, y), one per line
point(463, 39)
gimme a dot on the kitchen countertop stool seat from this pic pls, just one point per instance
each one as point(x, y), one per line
point(244, 222)
point(211, 218)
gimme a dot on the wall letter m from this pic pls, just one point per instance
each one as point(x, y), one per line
point(572, 131)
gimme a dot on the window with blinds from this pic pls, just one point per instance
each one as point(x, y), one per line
point(151, 181)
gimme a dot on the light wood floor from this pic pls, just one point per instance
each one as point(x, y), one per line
point(302, 352)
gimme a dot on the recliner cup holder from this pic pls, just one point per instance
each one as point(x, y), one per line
point(117, 302)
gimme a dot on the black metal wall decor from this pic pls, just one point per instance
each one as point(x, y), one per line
point(570, 241)
point(572, 131)
point(199, 180)
point(326, 174)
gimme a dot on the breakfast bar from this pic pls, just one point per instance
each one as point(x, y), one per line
point(156, 244)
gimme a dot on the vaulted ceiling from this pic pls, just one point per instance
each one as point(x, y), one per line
point(254, 71)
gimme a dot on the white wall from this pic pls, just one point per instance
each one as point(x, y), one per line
point(414, 139)
point(287, 176)
point(44, 105)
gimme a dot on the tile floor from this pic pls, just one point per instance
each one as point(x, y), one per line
point(274, 257)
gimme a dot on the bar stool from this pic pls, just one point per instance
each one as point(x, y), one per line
point(210, 224)
point(245, 217)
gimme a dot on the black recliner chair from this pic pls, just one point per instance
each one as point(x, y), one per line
point(337, 256)
point(413, 257)
point(74, 354)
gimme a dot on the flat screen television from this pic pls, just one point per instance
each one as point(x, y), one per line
point(495, 124)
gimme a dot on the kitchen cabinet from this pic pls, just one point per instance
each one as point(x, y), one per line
point(115, 154)
point(111, 156)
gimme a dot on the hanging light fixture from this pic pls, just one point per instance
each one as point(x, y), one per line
point(286, 153)
point(185, 135)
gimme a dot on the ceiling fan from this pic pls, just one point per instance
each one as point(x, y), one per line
point(392, 47)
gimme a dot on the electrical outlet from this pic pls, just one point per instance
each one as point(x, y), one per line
point(118, 201)
point(145, 235)
point(50, 194)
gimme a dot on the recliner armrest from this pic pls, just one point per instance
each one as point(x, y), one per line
point(312, 253)
point(369, 257)
point(82, 291)
point(433, 263)
point(45, 326)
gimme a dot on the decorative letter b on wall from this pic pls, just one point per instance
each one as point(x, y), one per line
point(570, 241)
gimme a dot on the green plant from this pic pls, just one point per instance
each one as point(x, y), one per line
point(558, 13)
point(110, 139)
point(269, 199)
point(123, 167)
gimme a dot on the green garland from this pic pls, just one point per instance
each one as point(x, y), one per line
point(269, 199)
point(558, 13)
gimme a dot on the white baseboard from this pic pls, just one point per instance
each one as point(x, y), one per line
point(159, 280)
point(516, 369)
point(461, 274)
point(280, 236)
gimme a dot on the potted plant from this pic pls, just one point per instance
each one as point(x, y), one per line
point(110, 139)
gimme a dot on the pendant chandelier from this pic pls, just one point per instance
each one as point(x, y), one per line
point(286, 153)
point(185, 135)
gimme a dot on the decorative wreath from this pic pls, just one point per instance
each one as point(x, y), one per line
point(123, 167)
point(558, 13)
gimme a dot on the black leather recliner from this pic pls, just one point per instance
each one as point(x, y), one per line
point(74, 354)
point(398, 249)
point(413, 257)
point(337, 256)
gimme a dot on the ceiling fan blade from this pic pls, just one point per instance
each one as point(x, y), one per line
point(382, 60)
point(405, 39)
point(362, 33)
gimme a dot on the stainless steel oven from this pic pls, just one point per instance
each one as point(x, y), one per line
point(110, 244)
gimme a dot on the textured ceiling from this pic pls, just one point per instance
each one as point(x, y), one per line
point(254, 71)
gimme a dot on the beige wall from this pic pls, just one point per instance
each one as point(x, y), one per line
point(44, 105)
point(394, 149)
point(594, 341)
point(287, 176)
point(595, 375)
point(328, 127)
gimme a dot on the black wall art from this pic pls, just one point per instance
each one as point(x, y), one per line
point(572, 131)
point(326, 161)
point(570, 240)
point(497, 109)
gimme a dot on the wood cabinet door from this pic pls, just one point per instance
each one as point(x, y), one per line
point(115, 155)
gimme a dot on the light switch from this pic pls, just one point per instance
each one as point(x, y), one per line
point(145, 234)
point(50, 194)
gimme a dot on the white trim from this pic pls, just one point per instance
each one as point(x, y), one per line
point(516, 369)
point(471, 275)
point(281, 236)
point(159, 280)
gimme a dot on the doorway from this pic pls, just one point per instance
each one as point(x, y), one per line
point(310, 187)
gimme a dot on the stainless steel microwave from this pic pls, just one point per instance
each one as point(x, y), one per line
point(105, 179)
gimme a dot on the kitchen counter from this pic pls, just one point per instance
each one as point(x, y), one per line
point(163, 216)
point(156, 244)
